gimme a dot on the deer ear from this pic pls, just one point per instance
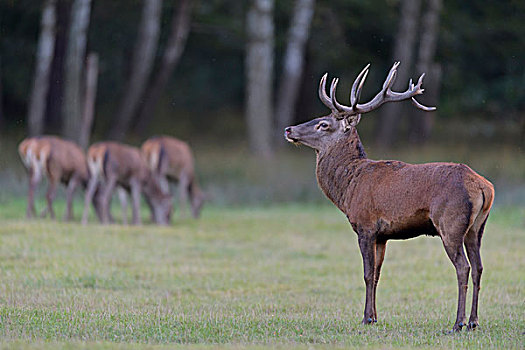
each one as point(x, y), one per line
point(354, 119)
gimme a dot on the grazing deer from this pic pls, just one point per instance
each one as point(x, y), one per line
point(113, 164)
point(394, 200)
point(60, 161)
point(170, 159)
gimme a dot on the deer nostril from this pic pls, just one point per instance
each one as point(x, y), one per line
point(288, 129)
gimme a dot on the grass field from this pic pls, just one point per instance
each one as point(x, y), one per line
point(286, 275)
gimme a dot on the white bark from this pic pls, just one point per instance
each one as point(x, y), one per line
point(421, 123)
point(89, 99)
point(180, 28)
point(141, 65)
point(390, 116)
point(75, 56)
point(44, 58)
point(259, 73)
point(293, 63)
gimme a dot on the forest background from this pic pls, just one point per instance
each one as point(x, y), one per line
point(227, 76)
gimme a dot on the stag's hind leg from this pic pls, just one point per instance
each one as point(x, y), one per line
point(473, 247)
point(453, 244)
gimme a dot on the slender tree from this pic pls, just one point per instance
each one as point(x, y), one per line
point(180, 28)
point(259, 72)
point(44, 57)
point(141, 65)
point(55, 95)
point(293, 64)
point(75, 56)
point(420, 124)
point(90, 95)
point(390, 115)
point(1, 99)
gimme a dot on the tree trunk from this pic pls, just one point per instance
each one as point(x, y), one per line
point(390, 116)
point(293, 64)
point(259, 72)
point(89, 99)
point(141, 65)
point(75, 56)
point(55, 95)
point(44, 57)
point(180, 27)
point(421, 122)
point(2, 118)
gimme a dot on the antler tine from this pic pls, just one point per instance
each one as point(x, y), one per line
point(420, 82)
point(359, 89)
point(387, 95)
point(422, 107)
point(342, 109)
point(325, 99)
point(418, 88)
point(391, 77)
point(333, 87)
point(356, 83)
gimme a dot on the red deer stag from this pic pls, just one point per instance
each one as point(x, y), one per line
point(170, 159)
point(113, 164)
point(60, 161)
point(394, 200)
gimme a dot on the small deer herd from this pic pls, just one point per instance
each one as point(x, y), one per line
point(111, 166)
point(382, 200)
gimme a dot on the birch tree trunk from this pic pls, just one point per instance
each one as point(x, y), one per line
point(90, 97)
point(2, 118)
point(75, 56)
point(390, 115)
point(141, 65)
point(293, 64)
point(44, 58)
point(55, 95)
point(421, 122)
point(180, 28)
point(259, 73)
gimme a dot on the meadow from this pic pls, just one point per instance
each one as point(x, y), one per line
point(285, 275)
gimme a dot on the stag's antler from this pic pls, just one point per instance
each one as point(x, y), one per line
point(355, 110)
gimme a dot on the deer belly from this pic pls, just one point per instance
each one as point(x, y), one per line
point(405, 229)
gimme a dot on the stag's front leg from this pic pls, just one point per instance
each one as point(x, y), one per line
point(380, 256)
point(367, 245)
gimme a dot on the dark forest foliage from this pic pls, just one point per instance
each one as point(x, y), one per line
point(481, 48)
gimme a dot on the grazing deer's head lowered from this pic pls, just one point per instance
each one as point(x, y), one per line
point(394, 200)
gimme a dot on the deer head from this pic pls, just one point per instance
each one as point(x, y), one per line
point(322, 132)
point(160, 202)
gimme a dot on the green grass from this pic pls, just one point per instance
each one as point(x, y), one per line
point(287, 275)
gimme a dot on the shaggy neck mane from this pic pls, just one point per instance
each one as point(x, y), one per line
point(336, 166)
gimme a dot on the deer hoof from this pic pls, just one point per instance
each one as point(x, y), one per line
point(367, 320)
point(457, 327)
point(472, 325)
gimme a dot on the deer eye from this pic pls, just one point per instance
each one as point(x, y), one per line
point(323, 125)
